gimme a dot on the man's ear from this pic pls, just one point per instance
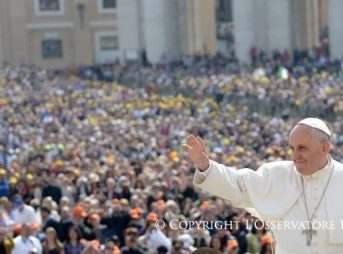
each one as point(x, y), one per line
point(326, 146)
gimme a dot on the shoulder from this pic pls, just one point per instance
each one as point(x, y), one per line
point(29, 208)
point(34, 239)
point(338, 164)
point(280, 164)
point(277, 169)
point(285, 166)
point(338, 167)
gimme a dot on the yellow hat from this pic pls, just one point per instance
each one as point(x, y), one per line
point(13, 180)
point(29, 177)
point(58, 163)
point(110, 160)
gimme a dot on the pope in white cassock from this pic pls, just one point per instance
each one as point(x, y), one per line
point(300, 199)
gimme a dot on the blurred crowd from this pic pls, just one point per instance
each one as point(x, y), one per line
point(96, 166)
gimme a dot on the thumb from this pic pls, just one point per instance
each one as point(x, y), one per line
point(186, 147)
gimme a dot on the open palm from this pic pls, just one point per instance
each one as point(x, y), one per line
point(197, 151)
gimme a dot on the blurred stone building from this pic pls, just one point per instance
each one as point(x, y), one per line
point(287, 25)
point(66, 33)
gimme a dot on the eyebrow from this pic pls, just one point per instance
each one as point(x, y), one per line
point(299, 145)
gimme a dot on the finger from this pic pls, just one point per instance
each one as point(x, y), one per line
point(201, 143)
point(189, 139)
point(193, 142)
point(190, 136)
point(196, 140)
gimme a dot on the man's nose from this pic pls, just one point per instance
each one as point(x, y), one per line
point(295, 155)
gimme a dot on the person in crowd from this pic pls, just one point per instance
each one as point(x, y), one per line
point(26, 242)
point(73, 243)
point(6, 241)
point(51, 244)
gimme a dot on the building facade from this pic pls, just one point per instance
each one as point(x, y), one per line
point(166, 29)
point(57, 34)
point(67, 33)
point(287, 25)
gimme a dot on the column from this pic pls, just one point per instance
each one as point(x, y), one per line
point(130, 23)
point(160, 29)
point(299, 24)
point(205, 26)
point(266, 24)
point(2, 38)
point(18, 41)
point(323, 14)
point(244, 29)
point(306, 23)
point(185, 27)
point(82, 34)
point(312, 23)
point(336, 29)
point(261, 25)
point(279, 25)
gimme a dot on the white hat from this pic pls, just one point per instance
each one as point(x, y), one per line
point(317, 124)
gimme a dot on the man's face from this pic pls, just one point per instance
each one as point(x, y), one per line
point(130, 240)
point(109, 246)
point(307, 149)
point(44, 215)
point(65, 212)
point(18, 203)
point(25, 230)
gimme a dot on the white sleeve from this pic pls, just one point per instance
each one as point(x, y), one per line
point(271, 190)
point(223, 182)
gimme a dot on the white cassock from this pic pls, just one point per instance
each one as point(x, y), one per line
point(274, 193)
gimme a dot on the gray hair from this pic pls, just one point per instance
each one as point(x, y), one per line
point(321, 135)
